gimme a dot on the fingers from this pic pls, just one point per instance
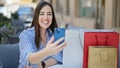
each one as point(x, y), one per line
point(61, 46)
point(58, 41)
point(51, 40)
point(55, 47)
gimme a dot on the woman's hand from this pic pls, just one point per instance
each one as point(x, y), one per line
point(54, 47)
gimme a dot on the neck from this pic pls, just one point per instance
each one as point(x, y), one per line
point(43, 32)
point(43, 36)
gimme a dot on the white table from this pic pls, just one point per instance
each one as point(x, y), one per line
point(56, 66)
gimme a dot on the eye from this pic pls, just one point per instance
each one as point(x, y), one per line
point(41, 14)
point(50, 14)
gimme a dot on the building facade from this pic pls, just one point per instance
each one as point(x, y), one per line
point(101, 14)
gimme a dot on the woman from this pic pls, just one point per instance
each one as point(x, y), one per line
point(37, 46)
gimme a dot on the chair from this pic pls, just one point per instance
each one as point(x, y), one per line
point(9, 55)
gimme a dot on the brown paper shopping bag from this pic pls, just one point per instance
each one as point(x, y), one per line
point(102, 57)
point(97, 39)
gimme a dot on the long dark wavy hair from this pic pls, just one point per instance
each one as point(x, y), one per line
point(35, 22)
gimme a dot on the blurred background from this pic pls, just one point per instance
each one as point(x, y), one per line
point(16, 15)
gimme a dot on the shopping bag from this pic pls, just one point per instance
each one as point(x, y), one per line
point(90, 40)
point(73, 52)
point(102, 57)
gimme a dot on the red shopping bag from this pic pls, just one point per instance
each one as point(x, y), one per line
point(99, 38)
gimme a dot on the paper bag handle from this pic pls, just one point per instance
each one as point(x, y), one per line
point(104, 42)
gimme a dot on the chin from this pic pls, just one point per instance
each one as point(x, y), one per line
point(45, 27)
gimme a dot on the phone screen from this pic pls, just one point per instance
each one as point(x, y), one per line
point(58, 33)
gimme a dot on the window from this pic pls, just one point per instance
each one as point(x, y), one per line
point(85, 8)
point(67, 7)
point(58, 6)
point(116, 22)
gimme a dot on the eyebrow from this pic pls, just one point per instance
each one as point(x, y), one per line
point(49, 12)
point(44, 12)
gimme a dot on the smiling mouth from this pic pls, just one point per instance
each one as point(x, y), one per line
point(45, 22)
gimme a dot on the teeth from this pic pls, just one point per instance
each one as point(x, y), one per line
point(45, 23)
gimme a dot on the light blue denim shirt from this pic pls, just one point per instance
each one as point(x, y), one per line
point(27, 45)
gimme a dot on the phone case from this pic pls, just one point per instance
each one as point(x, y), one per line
point(58, 33)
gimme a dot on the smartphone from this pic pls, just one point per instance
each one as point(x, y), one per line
point(58, 33)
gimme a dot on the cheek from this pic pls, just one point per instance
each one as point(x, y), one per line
point(51, 19)
point(39, 21)
point(40, 18)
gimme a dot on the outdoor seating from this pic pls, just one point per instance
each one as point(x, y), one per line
point(9, 56)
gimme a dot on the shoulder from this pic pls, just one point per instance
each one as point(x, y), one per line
point(27, 32)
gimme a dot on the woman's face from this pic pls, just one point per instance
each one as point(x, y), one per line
point(45, 17)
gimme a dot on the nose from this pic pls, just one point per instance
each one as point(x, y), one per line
point(46, 16)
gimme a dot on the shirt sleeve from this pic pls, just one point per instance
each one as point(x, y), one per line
point(26, 47)
point(58, 57)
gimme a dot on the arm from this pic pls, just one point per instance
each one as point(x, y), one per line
point(48, 63)
point(50, 49)
point(25, 47)
point(52, 60)
point(28, 55)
